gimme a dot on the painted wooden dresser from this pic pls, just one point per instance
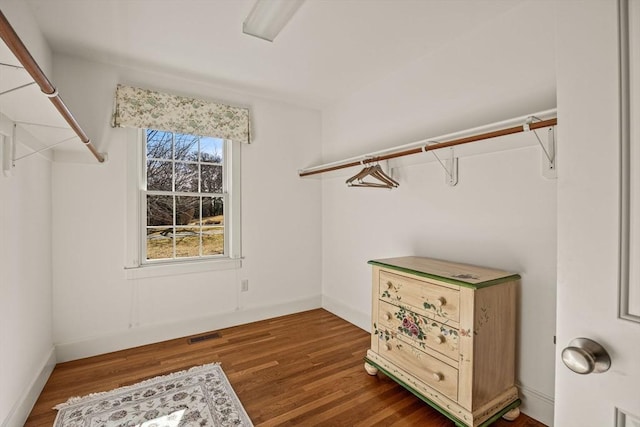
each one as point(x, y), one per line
point(447, 332)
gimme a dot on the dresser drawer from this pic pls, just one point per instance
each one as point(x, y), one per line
point(423, 297)
point(422, 332)
point(428, 369)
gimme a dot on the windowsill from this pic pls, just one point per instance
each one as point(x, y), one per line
point(179, 268)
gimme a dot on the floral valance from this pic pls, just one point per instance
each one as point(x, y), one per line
point(147, 109)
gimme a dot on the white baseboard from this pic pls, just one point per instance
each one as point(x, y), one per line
point(20, 411)
point(537, 405)
point(358, 318)
point(150, 334)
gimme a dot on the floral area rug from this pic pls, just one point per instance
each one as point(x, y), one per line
point(201, 396)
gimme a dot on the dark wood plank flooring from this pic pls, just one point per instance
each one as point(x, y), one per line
point(304, 369)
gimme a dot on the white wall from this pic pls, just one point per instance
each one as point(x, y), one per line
point(26, 345)
point(96, 309)
point(25, 301)
point(501, 214)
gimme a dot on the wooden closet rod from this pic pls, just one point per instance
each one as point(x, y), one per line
point(435, 146)
point(20, 51)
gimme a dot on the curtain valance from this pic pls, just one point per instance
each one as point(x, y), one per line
point(147, 109)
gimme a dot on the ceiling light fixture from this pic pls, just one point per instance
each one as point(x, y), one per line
point(268, 18)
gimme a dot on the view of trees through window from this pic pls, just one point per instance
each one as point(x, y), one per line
point(184, 195)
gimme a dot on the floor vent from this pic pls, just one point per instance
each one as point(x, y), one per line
point(206, 337)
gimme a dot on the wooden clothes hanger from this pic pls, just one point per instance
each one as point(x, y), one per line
point(376, 172)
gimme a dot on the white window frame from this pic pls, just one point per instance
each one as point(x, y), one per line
point(136, 265)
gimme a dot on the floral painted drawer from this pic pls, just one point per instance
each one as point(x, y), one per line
point(418, 330)
point(435, 301)
point(447, 332)
point(437, 374)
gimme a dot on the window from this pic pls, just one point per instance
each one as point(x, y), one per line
point(186, 198)
point(183, 189)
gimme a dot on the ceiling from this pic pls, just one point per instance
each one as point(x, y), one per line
point(329, 49)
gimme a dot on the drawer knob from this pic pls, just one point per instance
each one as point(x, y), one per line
point(386, 316)
point(387, 347)
point(440, 339)
point(440, 302)
point(437, 377)
point(389, 285)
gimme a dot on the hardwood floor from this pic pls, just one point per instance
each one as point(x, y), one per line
point(305, 369)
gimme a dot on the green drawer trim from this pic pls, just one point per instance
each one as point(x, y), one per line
point(437, 407)
point(451, 280)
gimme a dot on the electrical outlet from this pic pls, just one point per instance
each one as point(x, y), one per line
point(244, 287)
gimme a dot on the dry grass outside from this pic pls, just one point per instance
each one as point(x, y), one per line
point(187, 240)
point(211, 220)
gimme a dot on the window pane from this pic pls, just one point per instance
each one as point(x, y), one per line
point(159, 175)
point(186, 177)
point(160, 210)
point(186, 147)
point(212, 240)
point(187, 242)
point(211, 178)
point(158, 144)
point(187, 210)
point(159, 243)
point(184, 226)
point(211, 150)
point(212, 211)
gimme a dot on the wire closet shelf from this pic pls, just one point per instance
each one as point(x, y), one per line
point(539, 120)
point(20, 51)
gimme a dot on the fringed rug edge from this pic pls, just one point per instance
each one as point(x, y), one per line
point(83, 399)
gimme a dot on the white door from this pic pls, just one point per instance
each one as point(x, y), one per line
point(590, 277)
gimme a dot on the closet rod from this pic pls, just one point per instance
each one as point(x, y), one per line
point(433, 146)
point(20, 51)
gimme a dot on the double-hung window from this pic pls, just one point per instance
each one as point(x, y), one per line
point(185, 196)
point(183, 165)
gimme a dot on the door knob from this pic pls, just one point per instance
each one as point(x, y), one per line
point(585, 356)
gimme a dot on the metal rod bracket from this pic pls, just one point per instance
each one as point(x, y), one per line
point(549, 161)
point(7, 151)
point(548, 150)
point(53, 94)
point(452, 169)
point(450, 165)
